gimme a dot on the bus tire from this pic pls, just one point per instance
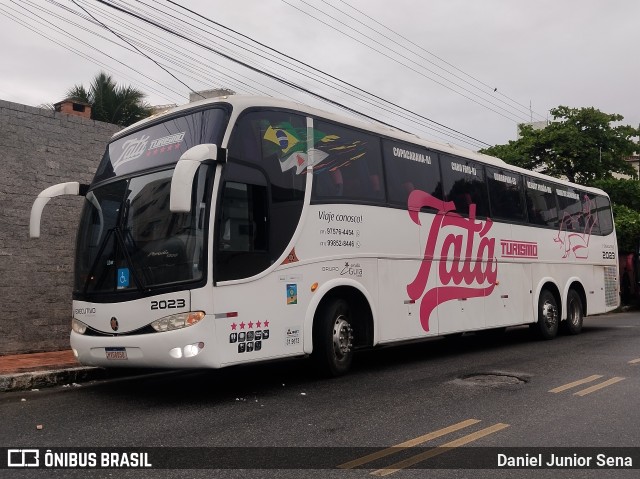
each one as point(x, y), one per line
point(333, 338)
point(548, 316)
point(575, 314)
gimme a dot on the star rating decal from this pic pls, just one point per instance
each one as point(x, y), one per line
point(249, 341)
point(250, 325)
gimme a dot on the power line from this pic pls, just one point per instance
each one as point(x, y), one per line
point(149, 39)
point(414, 69)
point(184, 61)
point(48, 24)
point(176, 60)
point(88, 19)
point(144, 54)
point(323, 72)
point(251, 67)
point(457, 137)
point(491, 89)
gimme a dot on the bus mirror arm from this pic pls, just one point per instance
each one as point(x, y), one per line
point(185, 171)
point(71, 188)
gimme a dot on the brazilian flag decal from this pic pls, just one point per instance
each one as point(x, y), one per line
point(290, 144)
point(286, 137)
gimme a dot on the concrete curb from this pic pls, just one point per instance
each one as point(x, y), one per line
point(45, 379)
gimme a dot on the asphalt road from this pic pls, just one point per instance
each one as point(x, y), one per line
point(477, 392)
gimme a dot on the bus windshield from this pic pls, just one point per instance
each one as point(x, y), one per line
point(129, 240)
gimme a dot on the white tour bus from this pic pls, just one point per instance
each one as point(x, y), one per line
point(244, 229)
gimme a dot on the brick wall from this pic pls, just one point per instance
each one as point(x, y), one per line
point(39, 148)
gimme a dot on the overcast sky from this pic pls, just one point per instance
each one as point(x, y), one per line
point(441, 59)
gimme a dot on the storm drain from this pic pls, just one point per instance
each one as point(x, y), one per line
point(492, 379)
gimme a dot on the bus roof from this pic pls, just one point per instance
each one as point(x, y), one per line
point(239, 103)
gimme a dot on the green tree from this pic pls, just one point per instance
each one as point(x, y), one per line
point(621, 191)
point(120, 105)
point(627, 228)
point(581, 144)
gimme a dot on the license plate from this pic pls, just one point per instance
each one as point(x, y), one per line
point(116, 353)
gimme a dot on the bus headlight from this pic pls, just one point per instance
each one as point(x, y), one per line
point(78, 326)
point(177, 321)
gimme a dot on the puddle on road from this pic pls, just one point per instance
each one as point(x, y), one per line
point(493, 379)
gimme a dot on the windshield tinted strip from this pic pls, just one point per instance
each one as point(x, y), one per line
point(162, 143)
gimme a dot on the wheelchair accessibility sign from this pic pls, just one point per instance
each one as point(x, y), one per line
point(123, 278)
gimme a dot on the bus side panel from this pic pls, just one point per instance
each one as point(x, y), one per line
point(332, 285)
point(265, 318)
point(562, 276)
point(401, 315)
point(377, 247)
point(476, 287)
point(596, 295)
point(458, 314)
point(261, 319)
point(508, 305)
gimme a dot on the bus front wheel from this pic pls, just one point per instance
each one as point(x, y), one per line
point(548, 316)
point(333, 338)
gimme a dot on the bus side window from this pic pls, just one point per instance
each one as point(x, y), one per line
point(243, 217)
point(242, 224)
point(464, 184)
point(330, 184)
point(351, 169)
point(541, 202)
point(605, 219)
point(506, 195)
point(570, 209)
point(410, 167)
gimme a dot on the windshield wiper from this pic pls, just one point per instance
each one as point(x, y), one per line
point(115, 231)
point(127, 258)
point(94, 265)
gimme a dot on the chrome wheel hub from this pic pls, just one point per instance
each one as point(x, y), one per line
point(342, 336)
point(550, 315)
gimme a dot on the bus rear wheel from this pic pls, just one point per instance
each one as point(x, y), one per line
point(548, 316)
point(575, 314)
point(333, 338)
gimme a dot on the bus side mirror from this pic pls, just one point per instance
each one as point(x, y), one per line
point(182, 179)
point(70, 188)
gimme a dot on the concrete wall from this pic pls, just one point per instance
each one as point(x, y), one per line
point(39, 148)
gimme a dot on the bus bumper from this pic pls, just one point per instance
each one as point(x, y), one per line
point(191, 347)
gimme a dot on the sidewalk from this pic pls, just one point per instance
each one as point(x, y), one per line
point(19, 372)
